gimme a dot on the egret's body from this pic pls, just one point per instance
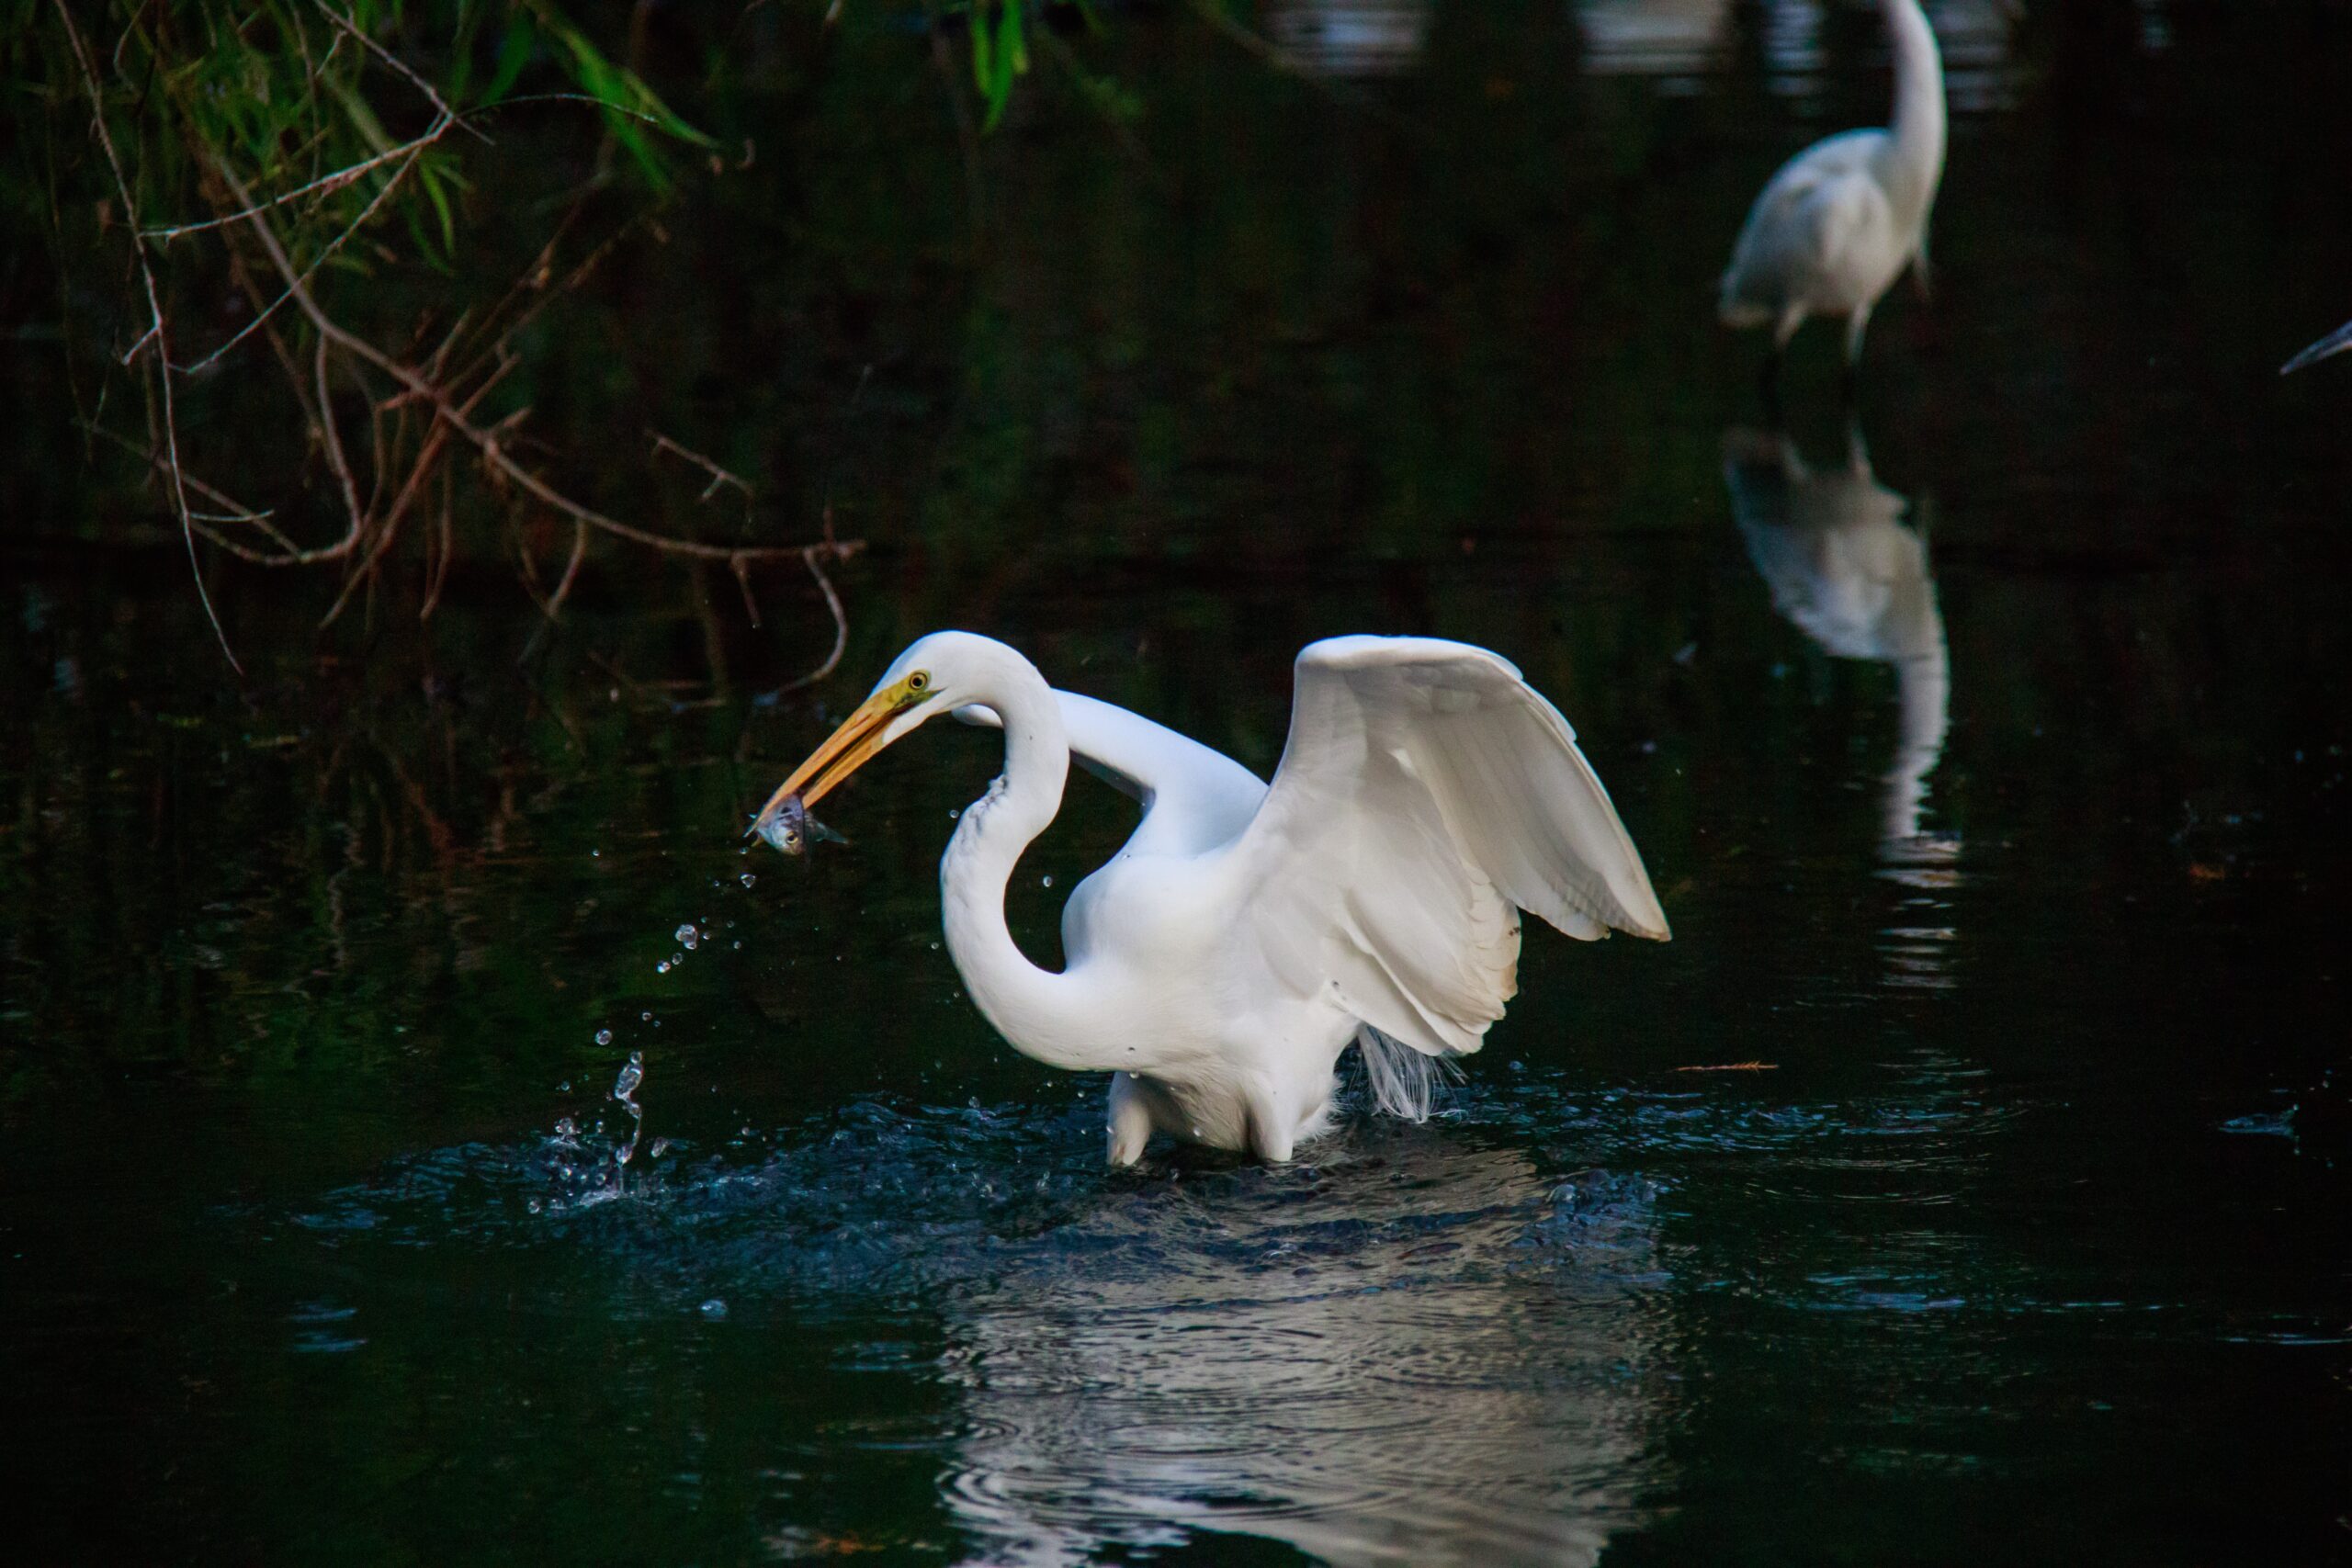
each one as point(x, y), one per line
point(1247, 933)
point(1837, 224)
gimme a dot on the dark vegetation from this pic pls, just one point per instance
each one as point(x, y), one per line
point(332, 285)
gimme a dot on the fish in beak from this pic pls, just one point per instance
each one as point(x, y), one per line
point(785, 822)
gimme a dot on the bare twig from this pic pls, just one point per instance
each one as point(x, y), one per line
point(718, 476)
point(487, 442)
point(814, 556)
point(155, 330)
point(415, 151)
point(380, 52)
point(336, 459)
point(570, 571)
point(235, 511)
point(325, 185)
point(743, 570)
point(437, 569)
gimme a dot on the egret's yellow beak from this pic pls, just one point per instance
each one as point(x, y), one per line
point(861, 735)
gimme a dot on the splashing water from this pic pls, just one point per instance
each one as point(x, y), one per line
point(625, 1090)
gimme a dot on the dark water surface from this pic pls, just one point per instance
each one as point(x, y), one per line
point(1996, 792)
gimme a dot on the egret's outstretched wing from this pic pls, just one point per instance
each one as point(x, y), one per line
point(1427, 794)
point(1193, 798)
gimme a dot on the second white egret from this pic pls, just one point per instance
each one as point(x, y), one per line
point(1247, 934)
point(1835, 228)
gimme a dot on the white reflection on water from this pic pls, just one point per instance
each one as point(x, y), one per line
point(1406, 1348)
point(1842, 567)
point(1653, 37)
point(1845, 570)
point(1350, 38)
point(1685, 39)
point(1428, 1357)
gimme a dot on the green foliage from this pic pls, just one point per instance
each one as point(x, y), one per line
point(285, 96)
point(999, 53)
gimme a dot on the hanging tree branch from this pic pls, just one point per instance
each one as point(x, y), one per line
point(155, 334)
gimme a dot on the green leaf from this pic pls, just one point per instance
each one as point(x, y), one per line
point(514, 52)
point(1019, 46)
point(431, 180)
point(983, 73)
point(461, 49)
point(1007, 58)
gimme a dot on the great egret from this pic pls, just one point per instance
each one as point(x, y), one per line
point(1246, 934)
point(2336, 342)
point(1842, 567)
point(1836, 226)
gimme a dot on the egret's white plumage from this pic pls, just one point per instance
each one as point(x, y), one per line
point(1835, 228)
point(1246, 934)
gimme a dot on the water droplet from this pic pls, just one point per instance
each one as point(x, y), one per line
point(603, 1037)
point(662, 967)
point(747, 879)
point(645, 1018)
point(660, 1147)
point(1047, 880)
point(676, 959)
point(713, 1309)
point(934, 947)
point(595, 854)
point(535, 1206)
point(564, 1088)
point(630, 1077)
point(953, 813)
point(566, 1128)
point(739, 944)
point(687, 937)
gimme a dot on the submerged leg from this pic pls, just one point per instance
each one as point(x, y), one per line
point(1856, 325)
point(1770, 386)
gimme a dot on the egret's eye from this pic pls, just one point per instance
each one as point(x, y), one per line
point(919, 681)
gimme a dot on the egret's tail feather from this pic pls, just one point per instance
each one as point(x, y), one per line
point(1403, 1081)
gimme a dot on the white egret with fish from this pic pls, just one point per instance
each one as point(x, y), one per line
point(1246, 934)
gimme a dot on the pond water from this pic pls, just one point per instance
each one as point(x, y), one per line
point(1990, 758)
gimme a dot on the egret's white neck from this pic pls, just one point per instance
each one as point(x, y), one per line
point(1917, 161)
point(1032, 1007)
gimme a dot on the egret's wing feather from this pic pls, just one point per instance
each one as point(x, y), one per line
point(1194, 798)
point(1426, 796)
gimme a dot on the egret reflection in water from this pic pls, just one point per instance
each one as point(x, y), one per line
point(1415, 1353)
point(1847, 571)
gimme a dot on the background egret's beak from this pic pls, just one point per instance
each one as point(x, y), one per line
point(2336, 342)
point(861, 735)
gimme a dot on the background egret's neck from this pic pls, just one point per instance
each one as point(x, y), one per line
point(1918, 128)
point(1029, 1007)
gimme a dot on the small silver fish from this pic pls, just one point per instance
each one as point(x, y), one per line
point(792, 829)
